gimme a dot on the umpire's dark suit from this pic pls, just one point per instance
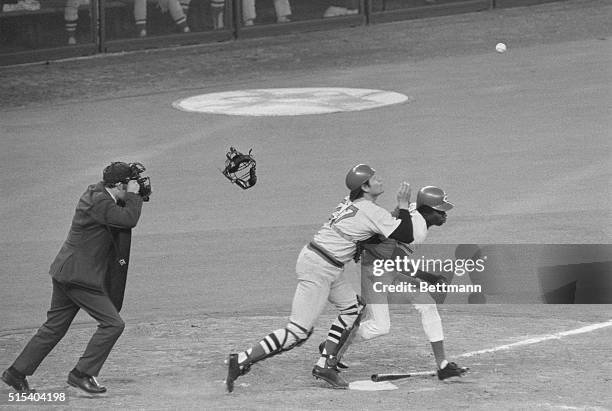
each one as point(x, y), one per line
point(80, 279)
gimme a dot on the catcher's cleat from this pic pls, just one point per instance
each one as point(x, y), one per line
point(234, 370)
point(331, 375)
point(451, 370)
point(339, 364)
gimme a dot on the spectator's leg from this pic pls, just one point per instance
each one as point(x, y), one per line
point(185, 6)
point(71, 17)
point(218, 11)
point(140, 16)
point(176, 12)
point(283, 10)
point(248, 12)
point(348, 7)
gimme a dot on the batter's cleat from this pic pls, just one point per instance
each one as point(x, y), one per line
point(340, 365)
point(451, 370)
point(234, 370)
point(331, 375)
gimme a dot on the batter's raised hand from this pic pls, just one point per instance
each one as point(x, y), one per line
point(403, 196)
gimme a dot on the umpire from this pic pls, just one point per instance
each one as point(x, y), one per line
point(97, 248)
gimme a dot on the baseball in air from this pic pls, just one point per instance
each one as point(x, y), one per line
point(500, 48)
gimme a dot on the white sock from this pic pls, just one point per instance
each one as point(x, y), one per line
point(321, 362)
point(443, 364)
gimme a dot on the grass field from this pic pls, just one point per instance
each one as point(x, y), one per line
point(520, 141)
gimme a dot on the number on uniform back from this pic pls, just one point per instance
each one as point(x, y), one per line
point(344, 210)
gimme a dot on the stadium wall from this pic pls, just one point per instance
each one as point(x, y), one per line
point(29, 34)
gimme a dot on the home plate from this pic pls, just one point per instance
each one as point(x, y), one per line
point(369, 385)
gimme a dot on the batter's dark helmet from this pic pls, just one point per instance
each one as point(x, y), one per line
point(433, 197)
point(358, 175)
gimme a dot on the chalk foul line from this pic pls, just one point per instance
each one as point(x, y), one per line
point(370, 386)
point(535, 340)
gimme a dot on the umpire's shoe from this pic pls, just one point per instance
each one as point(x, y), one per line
point(331, 375)
point(86, 383)
point(234, 370)
point(451, 370)
point(15, 380)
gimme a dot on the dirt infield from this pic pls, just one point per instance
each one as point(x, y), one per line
point(520, 141)
point(175, 364)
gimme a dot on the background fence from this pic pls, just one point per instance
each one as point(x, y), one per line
point(40, 30)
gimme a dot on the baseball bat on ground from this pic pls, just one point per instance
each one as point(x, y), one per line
point(399, 376)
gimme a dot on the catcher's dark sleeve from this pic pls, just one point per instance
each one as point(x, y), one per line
point(403, 232)
point(362, 245)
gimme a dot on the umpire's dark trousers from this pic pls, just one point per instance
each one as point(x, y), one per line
point(65, 303)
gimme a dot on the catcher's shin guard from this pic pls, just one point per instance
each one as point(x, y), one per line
point(343, 331)
point(284, 339)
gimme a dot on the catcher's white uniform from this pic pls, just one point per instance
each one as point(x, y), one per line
point(320, 273)
point(320, 265)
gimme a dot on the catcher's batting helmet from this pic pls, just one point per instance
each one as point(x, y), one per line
point(433, 197)
point(358, 175)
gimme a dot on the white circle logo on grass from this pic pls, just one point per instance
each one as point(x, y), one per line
point(289, 101)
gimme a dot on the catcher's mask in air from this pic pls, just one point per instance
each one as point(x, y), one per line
point(240, 168)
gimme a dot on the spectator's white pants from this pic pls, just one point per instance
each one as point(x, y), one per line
point(281, 7)
point(172, 6)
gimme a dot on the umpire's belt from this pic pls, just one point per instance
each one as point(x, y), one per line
point(324, 254)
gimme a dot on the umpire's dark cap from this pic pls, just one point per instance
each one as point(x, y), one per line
point(116, 172)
